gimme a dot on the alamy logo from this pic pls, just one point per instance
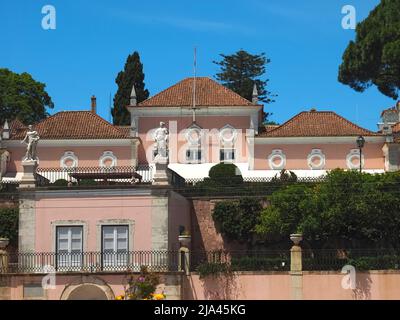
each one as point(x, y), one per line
point(349, 280)
point(49, 20)
point(349, 20)
point(49, 280)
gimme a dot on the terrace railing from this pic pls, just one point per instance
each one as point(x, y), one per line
point(243, 260)
point(89, 262)
point(99, 175)
point(361, 259)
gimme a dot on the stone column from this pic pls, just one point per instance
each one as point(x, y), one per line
point(296, 268)
point(29, 177)
point(160, 176)
point(27, 221)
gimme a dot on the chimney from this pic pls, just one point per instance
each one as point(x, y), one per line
point(93, 104)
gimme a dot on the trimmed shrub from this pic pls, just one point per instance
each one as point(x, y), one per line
point(225, 173)
point(60, 183)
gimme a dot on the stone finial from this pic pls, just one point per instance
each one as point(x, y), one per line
point(6, 131)
point(133, 101)
point(254, 99)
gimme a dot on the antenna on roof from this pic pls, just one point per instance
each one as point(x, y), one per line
point(194, 86)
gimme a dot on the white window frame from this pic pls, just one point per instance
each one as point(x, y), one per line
point(106, 156)
point(227, 151)
point(68, 155)
point(316, 153)
point(277, 154)
point(114, 259)
point(69, 261)
point(354, 153)
point(194, 155)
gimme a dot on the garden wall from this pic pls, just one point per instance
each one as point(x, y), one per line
point(80, 287)
point(205, 237)
point(373, 285)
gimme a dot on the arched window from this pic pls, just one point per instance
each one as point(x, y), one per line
point(277, 160)
point(194, 136)
point(316, 159)
point(108, 160)
point(227, 138)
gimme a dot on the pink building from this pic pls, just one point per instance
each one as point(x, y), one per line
point(127, 211)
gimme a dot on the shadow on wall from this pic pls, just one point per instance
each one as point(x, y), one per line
point(363, 287)
point(224, 287)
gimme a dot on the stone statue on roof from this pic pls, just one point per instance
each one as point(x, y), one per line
point(161, 137)
point(31, 139)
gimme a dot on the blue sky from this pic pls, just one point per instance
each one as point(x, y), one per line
point(303, 39)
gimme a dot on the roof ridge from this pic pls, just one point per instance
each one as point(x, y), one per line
point(180, 94)
point(333, 113)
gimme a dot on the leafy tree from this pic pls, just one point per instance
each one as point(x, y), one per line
point(22, 97)
point(9, 224)
point(236, 219)
point(131, 75)
point(374, 57)
point(348, 209)
point(239, 72)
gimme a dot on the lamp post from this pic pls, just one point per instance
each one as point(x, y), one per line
point(360, 144)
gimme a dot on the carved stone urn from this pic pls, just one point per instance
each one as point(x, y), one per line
point(296, 238)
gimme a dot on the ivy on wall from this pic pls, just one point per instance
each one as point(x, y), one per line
point(9, 224)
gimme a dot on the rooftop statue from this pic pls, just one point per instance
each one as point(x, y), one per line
point(161, 138)
point(31, 139)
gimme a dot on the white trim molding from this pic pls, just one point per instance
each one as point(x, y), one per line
point(74, 143)
point(316, 153)
point(277, 154)
point(69, 155)
point(313, 140)
point(354, 153)
point(198, 130)
point(233, 132)
point(107, 155)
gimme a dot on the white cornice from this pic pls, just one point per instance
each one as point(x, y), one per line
point(311, 140)
point(74, 143)
point(200, 111)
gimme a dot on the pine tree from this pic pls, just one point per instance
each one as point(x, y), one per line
point(131, 75)
point(374, 57)
point(241, 70)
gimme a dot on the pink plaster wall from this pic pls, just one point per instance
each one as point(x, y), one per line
point(240, 123)
point(335, 155)
point(179, 215)
point(91, 210)
point(373, 285)
point(87, 156)
point(116, 283)
point(238, 287)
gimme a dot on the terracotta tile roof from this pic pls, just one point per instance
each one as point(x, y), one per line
point(317, 124)
point(73, 125)
point(126, 130)
point(208, 93)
